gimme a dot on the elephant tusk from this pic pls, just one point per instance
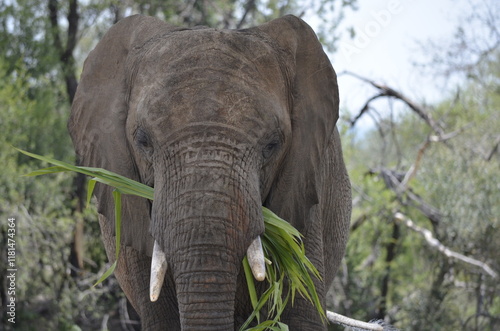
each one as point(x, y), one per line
point(158, 270)
point(255, 255)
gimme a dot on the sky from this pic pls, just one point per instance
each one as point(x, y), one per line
point(386, 46)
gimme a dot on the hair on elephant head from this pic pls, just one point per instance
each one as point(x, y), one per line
point(219, 122)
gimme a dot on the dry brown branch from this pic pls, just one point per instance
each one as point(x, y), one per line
point(365, 108)
point(493, 150)
point(414, 167)
point(392, 181)
point(434, 243)
point(386, 91)
point(410, 174)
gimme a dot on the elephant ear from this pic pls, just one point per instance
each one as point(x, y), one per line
point(98, 120)
point(314, 113)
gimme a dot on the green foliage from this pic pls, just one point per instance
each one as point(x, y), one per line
point(458, 178)
point(33, 115)
point(28, 124)
point(21, 39)
point(285, 251)
point(43, 218)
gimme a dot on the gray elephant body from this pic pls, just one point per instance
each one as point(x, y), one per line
point(219, 122)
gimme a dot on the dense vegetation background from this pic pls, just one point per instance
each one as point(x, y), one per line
point(424, 252)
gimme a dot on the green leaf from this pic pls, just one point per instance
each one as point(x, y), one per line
point(90, 190)
point(45, 171)
point(107, 273)
point(63, 165)
point(118, 207)
point(260, 304)
point(117, 197)
point(124, 184)
point(251, 285)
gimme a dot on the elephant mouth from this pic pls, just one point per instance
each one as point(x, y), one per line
point(255, 255)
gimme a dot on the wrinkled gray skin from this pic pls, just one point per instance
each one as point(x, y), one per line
point(219, 122)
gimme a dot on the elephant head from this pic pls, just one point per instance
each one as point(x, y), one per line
point(219, 122)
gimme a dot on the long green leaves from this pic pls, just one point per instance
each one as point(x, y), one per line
point(122, 185)
point(282, 244)
point(284, 249)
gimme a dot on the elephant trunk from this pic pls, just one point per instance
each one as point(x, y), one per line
point(205, 264)
point(206, 290)
point(204, 220)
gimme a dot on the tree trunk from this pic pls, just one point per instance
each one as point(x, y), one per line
point(68, 69)
point(390, 256)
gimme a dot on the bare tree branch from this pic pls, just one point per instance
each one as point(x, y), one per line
point(248, 7)
point(386, 91)
point(392, 180)
point(365, 108)
point(410, 174)
point(352, 323)
point(358, 222)
point(493, 150)
point(434, 243)
point(414, 167)
point(398, 181)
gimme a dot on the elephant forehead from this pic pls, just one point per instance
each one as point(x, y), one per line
point(214, 76)
point(184, 57)
point(210, 48)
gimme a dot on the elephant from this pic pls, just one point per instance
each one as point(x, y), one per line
point(219, 123)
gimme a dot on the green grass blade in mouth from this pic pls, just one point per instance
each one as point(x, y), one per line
point(251, 286)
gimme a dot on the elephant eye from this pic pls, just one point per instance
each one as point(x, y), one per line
point(142, 139)
point(269, 149)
